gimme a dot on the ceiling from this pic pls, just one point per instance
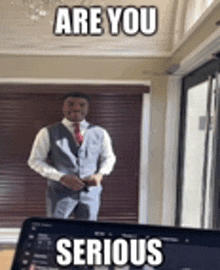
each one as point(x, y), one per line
point(21, 35)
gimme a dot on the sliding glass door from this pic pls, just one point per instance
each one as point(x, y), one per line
point(198, 149)
point(196, 153)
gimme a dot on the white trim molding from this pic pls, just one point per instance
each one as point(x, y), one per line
point(144, 160)
point(83, 52)
point(70, 81)
point(202, 54)
point(9, 238)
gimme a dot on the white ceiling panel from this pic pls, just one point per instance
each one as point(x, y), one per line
point(21, 35)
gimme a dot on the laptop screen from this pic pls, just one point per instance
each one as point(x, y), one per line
point(52, 244)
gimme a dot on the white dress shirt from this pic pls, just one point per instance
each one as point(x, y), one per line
point(41, 148)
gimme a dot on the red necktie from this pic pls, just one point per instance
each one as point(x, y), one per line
point(78, 135)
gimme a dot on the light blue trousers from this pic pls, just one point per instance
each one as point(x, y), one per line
point(62, 202)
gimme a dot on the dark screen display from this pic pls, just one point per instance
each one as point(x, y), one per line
point(51, 244)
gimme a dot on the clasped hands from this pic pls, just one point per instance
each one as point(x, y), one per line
point(75, 183)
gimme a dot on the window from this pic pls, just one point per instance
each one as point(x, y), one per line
point(196, 179)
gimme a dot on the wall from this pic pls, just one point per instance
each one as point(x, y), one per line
point(79, 67)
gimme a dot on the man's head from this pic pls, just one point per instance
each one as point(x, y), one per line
point(75, 106)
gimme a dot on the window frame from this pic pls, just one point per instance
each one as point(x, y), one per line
point(193, 78)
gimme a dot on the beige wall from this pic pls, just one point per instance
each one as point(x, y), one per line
point(78, 67)
point(156, 149)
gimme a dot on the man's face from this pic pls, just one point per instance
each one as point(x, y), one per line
point(75, 108)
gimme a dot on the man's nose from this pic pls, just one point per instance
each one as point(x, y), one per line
point(76, 107)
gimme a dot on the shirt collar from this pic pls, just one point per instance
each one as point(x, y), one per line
point(83, 123)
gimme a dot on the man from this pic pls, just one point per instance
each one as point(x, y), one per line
point(79, 155)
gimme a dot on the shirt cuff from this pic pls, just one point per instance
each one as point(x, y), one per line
point(103, 171)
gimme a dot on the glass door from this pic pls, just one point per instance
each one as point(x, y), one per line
point(197, 199)
point(198, 154)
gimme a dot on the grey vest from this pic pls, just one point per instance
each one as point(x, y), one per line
point(70, 158)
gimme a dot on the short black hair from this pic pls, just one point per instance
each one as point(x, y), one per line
point(77, 95)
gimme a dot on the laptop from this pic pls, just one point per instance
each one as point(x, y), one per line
point(54, 244)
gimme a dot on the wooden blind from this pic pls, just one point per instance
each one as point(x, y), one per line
point(22, 191)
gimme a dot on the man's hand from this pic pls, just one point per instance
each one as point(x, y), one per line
point(72, 182)
point(94, 180)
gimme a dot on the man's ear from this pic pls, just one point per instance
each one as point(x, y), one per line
point(87, 109)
